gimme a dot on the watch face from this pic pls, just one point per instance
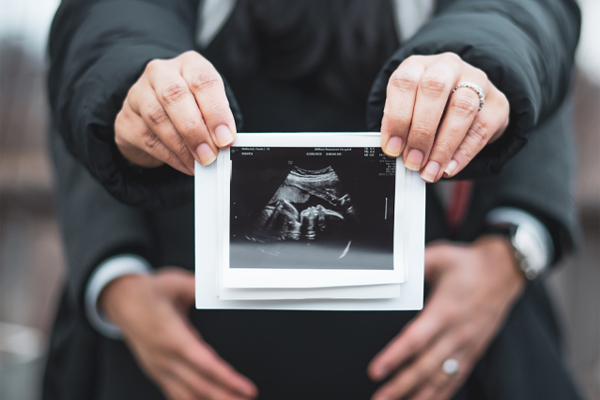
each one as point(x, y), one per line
point(533, 250)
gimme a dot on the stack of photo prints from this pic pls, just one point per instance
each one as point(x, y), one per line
point(308, 221)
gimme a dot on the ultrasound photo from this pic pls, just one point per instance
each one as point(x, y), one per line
point(311, 208)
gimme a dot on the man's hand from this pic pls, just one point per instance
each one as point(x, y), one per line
point(176, 112)
point(472, 289)
point(151, 312)
point(437, 131)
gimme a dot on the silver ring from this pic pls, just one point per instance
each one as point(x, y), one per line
point(477, 90)
point(450, 366)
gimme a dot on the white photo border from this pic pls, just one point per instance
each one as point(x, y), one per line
point(309, 278)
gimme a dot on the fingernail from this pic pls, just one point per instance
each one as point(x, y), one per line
point(224, 136)
point(451, 167)
point(414, 159)
point(206, 154)
point(430, 172)
point(394, 146)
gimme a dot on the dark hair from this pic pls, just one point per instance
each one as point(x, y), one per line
point(337, 45)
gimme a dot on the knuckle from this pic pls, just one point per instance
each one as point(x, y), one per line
point(465, 153)
point(481, 75)
point(157, 115)
point(443, 150)
point(413, 60)
point(434, 85)
point(463, 103)
point(205, 80)
point(396, 118)
point(150, 140)
point(452, 57)
point(154, 65)
point(173, 93)
point(189, 128)
point(403, 80)
point(419, 133)
point(479, 132)
point(190, 54)
point(182, 150)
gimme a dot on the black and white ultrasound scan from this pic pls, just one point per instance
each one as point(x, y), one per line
point(311, 208)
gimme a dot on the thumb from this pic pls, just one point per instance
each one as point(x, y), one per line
point(178, 284)
point(437, 257)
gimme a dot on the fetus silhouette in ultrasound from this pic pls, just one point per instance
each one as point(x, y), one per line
point(310, 207)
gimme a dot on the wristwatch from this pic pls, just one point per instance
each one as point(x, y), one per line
point(529, 238)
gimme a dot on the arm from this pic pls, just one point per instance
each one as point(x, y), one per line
point(526, 49)
point(98, 49)
point(475, 283)
point(120, 299)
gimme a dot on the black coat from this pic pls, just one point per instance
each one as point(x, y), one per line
point(288, 354)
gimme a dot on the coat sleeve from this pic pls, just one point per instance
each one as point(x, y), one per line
point(98, 49)
point(526, 47)
point(539, 180)
point(94, 226)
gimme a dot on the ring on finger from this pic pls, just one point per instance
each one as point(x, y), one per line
point(474, 87)
point(450, 366)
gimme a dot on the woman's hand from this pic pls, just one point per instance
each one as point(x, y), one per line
point(176, 112)
point(151, 312)
point(472, 289)
point(438, 131)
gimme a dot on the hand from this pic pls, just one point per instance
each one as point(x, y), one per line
point(438, 131)
point(176, 112)
point(472, 289)
point(151, 311)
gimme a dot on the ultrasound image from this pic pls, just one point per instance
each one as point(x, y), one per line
point(311, 208)
point(309, 205)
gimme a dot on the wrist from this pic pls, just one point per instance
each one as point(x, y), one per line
point(499, 249)
point(115, 299)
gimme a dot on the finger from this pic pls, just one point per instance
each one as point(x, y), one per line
point(488, 124)
point(461, 110)
point(399, 104)
point(436, 256)
point(173, 390)
point(200, 387)
point(206, 361)
point(140, 145)
point(410, 342)
point(425, 370)
point(207, 87)
point(178, 101)
point(178, 284)
point(156, 118)
point(426, 393)
point(432, 95)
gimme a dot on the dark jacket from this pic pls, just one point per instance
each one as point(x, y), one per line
point(99, 48)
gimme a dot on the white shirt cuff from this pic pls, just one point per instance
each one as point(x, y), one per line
point(107, 271)
point(515, 216)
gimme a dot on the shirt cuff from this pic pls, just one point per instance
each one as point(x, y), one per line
point(515, 216)
point(107, 271)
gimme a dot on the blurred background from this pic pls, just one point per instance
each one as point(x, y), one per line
point(31, 258)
